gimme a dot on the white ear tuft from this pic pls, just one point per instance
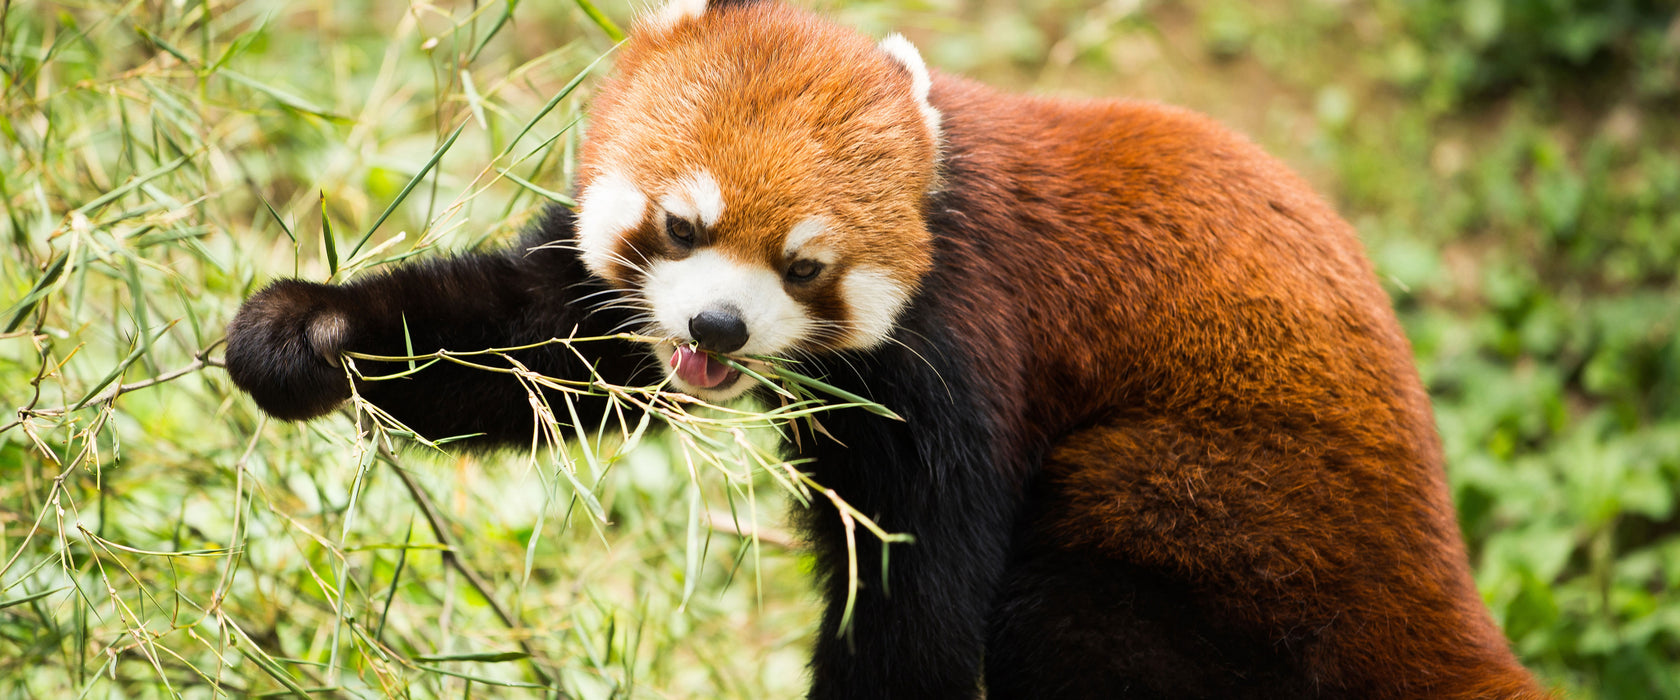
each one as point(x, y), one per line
point(905, 53)
point(676, 11)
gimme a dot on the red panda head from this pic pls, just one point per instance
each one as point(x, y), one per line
point(756, 178)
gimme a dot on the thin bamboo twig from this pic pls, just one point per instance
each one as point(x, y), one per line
point(452, 558)
point(200, 361)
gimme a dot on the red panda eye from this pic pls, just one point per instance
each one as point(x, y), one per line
point(804, 270)
point(680, 230)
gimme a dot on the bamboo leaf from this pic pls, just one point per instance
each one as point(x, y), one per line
point(239, 44)
point(21, 309)
point(271, 212)
point(273, 670)
point(743, 369)
point(501, 21)
point(408, 344)
point(480, 679)
point(412, 183)
point(553, 102)
point(328, 238)
point(601, 20)
point(549, 195)
point(286, 99)
point(133, 355)
point(590, 503)
point(837, 392)
point(132, 185)
point(158, 41)
point(475, 103)
point(30, 598)
point(482, 656)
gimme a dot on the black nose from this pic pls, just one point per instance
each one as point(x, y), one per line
point(718, 330)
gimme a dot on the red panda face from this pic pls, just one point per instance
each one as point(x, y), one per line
point(754, 179)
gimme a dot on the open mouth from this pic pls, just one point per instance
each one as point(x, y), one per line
point(700, 370)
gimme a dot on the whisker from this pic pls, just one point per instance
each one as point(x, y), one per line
point(621, 305)
point(592, 295)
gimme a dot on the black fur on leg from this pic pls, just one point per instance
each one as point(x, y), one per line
point(283, 348)
point(284, 343)
point(946, 476)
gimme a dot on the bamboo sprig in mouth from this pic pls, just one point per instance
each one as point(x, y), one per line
point(704, 430)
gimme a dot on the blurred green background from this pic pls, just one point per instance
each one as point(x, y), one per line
point(1513, 166)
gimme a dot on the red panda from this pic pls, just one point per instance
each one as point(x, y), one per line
point(1163, 436)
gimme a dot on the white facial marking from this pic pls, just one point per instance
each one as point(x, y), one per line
point(901, 50)
point(805, 242)
point(676, 11)
point(607, 209)
point(695, 197)
point(873, 300)
point(678, 290)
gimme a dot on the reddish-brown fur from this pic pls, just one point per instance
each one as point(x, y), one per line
point(1229, 394)
point(1197, 337)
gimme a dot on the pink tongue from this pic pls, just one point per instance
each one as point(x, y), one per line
point(699, 370)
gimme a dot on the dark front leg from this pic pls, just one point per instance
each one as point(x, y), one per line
point(285, 342)
point(921, 636)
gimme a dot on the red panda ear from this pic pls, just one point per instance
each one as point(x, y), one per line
point(676, 11)
point(905, 54)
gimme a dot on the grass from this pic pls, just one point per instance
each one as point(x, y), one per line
point(1512, 174)
point(162, 538)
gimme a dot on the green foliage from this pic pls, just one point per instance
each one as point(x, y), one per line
point(160, 161)
point(1510, 163)
point(1476, 47)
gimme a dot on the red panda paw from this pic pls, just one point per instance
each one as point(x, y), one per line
point(283, 349)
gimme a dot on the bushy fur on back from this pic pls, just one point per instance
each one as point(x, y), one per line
point(1163, 436)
